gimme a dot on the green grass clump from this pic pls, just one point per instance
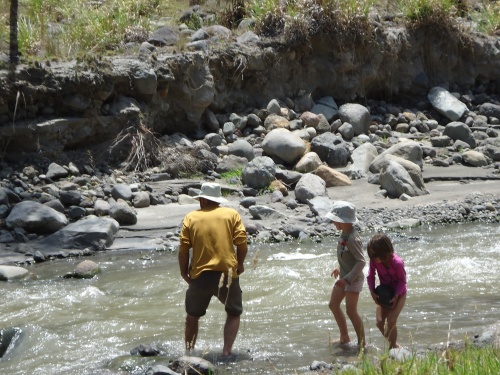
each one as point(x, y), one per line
point(344, 22)
point(487, 17)
point(465, 361)
point(232, 175)
point(63, 28)
point(438, 19)
point(421, 11)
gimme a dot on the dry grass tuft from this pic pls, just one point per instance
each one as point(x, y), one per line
point(143, 148)
point(344, 23)
point(231, 16)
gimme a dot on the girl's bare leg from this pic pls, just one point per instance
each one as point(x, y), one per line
point(381, 316)
point(392, 320)
point(351, 303)
point(336, 298)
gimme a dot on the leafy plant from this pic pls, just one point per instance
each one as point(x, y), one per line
point(194, 22)
point(232, 175)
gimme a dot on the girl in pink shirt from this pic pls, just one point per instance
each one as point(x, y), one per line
point(391, 272)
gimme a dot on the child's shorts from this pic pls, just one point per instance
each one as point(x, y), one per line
point(355, 286)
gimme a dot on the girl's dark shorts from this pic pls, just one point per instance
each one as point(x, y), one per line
point(204, 287)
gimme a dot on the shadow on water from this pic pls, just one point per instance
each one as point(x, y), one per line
point(9, 338)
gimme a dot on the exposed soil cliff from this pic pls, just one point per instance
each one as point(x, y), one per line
point(56, 107)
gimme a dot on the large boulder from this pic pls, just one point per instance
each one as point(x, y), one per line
point(35, 217)
point(446, 104)
point(320, 205)
point(331, 149)
point(327, 107)
point(396, 180)
point(259, 173)
point(332, 177)
point(55, 172)
point(8, 197)
point(457, 130)
point(413, 170)
point(193, 365)
point(284, 144)
point(310, 186)
point(141, 199)
point(86, 269)
point(362, 157)
point(408, 150)
point(308, 163)
point(12, 273)
point(357, 115)
point(92, 232)
point(474, 158)
point(122, 213)
point(242, 148)
point(260, 212)
point(121, 191)
point(489, 110)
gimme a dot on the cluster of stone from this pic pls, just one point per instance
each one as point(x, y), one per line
point(301, 145)
point(64, 212)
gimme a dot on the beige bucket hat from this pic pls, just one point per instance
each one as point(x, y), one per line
point(342, 212)
point(212, 192)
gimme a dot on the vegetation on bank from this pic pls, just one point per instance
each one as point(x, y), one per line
point(471, 360)
point(465, 361)
point(49, 29)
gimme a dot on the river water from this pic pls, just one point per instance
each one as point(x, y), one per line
point(78, 326)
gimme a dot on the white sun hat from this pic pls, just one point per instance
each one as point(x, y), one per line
point(212, 192)
point(342, 212)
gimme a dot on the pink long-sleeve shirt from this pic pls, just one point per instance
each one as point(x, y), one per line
point(394, 276)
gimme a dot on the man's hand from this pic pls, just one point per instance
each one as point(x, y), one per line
point(241, 253)
point(240, 269)
point(184, 265)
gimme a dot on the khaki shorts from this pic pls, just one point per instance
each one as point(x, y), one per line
point(356, 285)
point(204, 287)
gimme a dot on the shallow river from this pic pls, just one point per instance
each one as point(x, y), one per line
point(77, 326)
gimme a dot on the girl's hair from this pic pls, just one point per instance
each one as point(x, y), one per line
point(380, 246)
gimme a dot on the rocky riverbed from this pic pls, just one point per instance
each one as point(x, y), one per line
point(281, 169)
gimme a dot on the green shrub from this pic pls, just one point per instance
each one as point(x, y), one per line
point(487, 17)
point(428, 12)
point(194, 22)
point(296, 22)
point(234, 174)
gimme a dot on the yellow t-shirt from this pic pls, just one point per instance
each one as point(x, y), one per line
point(212, 233)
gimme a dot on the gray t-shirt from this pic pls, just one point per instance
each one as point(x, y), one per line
point(350, 256)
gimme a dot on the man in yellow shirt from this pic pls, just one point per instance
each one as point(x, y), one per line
point(212, 232)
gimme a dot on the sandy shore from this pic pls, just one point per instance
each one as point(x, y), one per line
point(445, 185)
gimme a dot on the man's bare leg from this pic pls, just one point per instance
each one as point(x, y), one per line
point(191, 331)
point(230, 332)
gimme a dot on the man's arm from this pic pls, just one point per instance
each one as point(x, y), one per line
point(184, 263)
point(241, 253)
